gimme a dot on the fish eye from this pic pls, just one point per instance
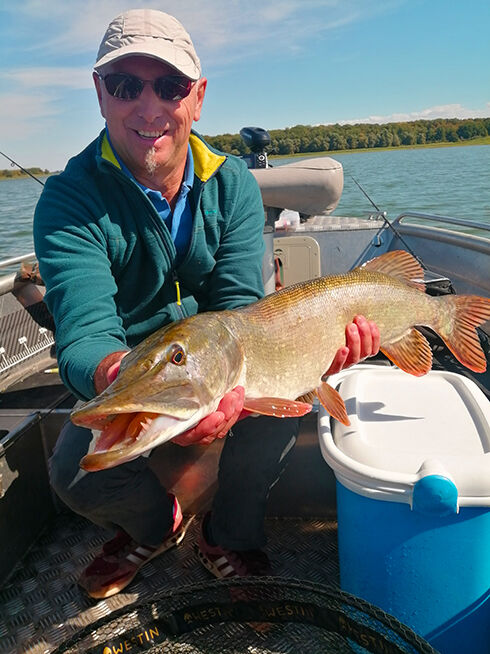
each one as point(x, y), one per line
point(177, 355)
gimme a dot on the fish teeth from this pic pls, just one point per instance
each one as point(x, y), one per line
point(143, 428)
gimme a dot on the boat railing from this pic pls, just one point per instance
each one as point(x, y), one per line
point(468, 224)
point(13, 260)
point(7, 280)
point(26, 330)
point(455, 248)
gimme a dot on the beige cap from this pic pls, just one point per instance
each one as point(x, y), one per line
point(151, 33)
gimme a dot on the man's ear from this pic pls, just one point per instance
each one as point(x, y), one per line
point(200, 92)
point(98, 88)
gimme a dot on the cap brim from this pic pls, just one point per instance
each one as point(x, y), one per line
point(182, 63)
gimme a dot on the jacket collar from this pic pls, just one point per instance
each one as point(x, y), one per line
point(206, 162)
point(106, 151)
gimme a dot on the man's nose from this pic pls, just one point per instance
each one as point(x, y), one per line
point(150, 106)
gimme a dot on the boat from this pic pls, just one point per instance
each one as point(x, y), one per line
point(44, 546)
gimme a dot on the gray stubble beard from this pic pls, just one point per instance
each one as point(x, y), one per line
point(150, 161)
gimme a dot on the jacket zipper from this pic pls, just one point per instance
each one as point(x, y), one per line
point(178, 304)
point(158, 224)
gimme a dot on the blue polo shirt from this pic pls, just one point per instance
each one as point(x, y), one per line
point(178, 222)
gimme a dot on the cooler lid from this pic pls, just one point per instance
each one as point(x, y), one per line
point(405, 428)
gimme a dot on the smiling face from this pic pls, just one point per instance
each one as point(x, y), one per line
point(149, 134)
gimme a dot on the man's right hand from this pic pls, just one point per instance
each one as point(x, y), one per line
point(106, 371)
point(218, 423)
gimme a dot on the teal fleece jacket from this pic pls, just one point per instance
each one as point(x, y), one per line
point(108, 260)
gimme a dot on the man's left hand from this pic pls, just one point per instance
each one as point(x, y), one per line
point(361, 341)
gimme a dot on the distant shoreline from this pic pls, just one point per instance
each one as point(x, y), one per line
point(20, 175)
point(483, 140)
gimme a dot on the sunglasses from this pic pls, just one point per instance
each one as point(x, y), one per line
point(129, 87)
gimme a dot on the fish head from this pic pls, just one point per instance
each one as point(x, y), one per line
point(165, 386)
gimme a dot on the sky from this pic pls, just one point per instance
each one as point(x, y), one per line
point(269, 63)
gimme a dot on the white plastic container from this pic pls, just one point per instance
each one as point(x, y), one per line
point(413, 500)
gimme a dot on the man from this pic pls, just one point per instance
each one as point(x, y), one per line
point(146, 225)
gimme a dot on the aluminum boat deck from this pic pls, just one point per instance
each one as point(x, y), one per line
point(41, 605)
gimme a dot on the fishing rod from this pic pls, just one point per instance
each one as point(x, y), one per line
point(14, 163)
point(395, 231)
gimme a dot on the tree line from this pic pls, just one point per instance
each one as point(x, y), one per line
point(324, 138)
point(15, 172)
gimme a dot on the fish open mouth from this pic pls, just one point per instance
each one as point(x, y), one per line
point(123, 429)
point(126, 427)
point(126, 436)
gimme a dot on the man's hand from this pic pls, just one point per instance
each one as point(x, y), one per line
point(361, 341)
point(106, 371)
point(217, 424)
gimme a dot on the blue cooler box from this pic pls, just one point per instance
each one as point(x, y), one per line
point(413, 500)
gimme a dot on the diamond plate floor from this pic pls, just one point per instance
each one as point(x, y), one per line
point(41, 604)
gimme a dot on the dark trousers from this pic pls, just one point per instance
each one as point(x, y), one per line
point(131, 497)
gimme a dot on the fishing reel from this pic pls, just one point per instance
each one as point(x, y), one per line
point(257, 139)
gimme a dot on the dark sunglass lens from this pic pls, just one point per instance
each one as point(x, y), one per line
point(173, 88)
point(125, 87)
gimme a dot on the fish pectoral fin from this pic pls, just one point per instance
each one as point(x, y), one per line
point(276, 406)
point(411, 353)
point(333, 403)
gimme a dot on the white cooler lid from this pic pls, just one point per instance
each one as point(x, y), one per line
point(405, 428)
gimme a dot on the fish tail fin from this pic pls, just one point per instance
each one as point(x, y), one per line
point(457, 324)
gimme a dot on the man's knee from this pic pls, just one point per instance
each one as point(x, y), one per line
point(65, 473)
point(66, 487)
point(267, 433)
point(259, 449)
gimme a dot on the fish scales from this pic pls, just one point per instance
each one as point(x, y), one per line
point(277, 332)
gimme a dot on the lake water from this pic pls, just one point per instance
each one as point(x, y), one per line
point(451, 181)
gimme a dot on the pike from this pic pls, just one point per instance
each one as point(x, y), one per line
point(277, 349)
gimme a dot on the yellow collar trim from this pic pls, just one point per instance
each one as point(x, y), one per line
point(107, 152)
point(206, 163)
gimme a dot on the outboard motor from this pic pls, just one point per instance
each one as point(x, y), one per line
point(309, 187)
point(257, 139)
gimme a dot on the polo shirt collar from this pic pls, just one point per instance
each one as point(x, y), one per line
point(187, 181)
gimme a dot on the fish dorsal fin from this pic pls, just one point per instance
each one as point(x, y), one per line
point(333, 403)
point(276, 406)
point(399, 264)
point(411, 353)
